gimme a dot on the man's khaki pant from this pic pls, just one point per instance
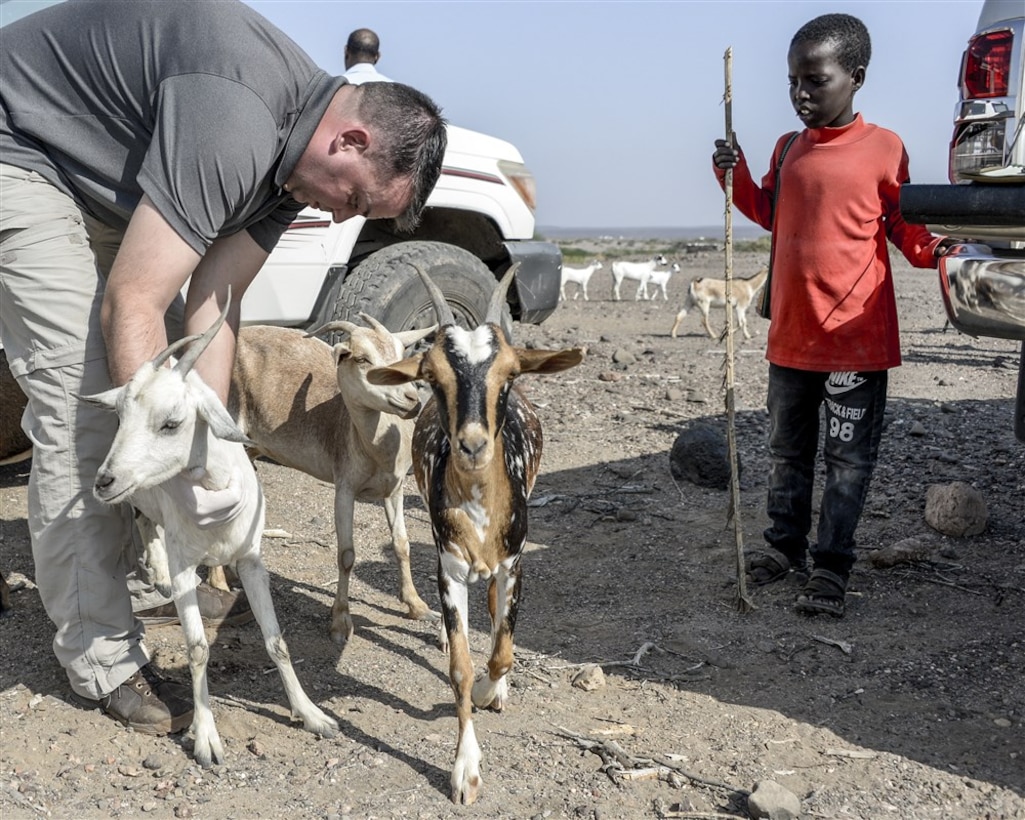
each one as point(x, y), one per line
point(53, 264)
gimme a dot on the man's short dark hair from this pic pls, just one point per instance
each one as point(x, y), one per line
point(410, 134)
point(853, 45)
point(363, 45)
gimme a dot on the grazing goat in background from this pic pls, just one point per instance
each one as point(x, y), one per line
point(708, 293)
point(660, 278)
point(171, 422)
point(310, 407)
point(476, 453)
point(580, 276)
point(639, 271)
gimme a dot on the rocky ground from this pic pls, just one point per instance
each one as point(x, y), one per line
point(639, 688)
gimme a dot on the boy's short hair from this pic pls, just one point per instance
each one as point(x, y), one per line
point(853, 45)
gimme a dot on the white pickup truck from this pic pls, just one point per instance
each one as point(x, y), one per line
point(982, 278)
point(479, 220)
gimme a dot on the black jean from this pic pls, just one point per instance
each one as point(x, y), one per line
point(854, 404)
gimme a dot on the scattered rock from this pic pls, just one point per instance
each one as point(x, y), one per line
point(589, 678)
point(153, 762)
point(674, 395)
point(908, 551)
point(956, 509)
point(623, 356)
point(609, 376)
point(917, 429)
point(700, 455)
point(771, 801)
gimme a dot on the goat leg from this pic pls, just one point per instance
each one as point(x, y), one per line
point(154, 553)
point(465, 780)
point(492, 690)
point(256, 583)
point(464, 536)
point(418, 609)
point(341, 619)
point(208, 748)
point(708, 327)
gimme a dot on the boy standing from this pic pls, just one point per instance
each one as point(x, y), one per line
point(834, 330)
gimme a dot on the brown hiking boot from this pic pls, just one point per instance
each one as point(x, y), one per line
point(217, 607)
point(146, 703)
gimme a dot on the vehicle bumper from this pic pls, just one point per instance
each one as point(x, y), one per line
point(537, 280)
point(984, 293)
point(985, 296)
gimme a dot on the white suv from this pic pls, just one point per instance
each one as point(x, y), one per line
point(478, 221)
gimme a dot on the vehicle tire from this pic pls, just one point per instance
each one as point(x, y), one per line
point(386, 286)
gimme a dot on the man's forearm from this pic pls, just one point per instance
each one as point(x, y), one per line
point(152, 265)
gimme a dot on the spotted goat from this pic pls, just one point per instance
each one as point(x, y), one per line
point(476, 453)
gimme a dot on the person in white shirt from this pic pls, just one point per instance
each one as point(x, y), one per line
point(362, 51)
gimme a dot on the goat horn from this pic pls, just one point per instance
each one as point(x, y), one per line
point(186, 362)
point(376, 325)
point(168, 351)
point(441, 308)
point(408, 337)
point(338, 326)
point(494, 316)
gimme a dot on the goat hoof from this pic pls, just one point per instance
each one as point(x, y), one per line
point(421, 612)
point(322, 726)
point(342, 632)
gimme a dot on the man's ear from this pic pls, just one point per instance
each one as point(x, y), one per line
point(859, 77)
point(354, 137)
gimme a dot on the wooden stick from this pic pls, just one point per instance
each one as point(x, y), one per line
point(744, 604)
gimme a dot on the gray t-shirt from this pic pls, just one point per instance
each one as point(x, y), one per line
point(202, 105)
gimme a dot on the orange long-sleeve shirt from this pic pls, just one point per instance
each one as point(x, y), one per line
point(833, 304)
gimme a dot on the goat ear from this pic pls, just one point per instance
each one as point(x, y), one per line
point(402, 372)
point(107, 399)
point(221, 423)
point(340, 351)
point(549, 361)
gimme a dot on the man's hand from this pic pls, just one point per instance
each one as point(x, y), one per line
point(207, 507)
point(726, 156)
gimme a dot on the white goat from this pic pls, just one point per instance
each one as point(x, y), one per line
point(660, 278)
point(708, 293)
point(310, 407)
point(580, 276)
point(476, 453)
point(171, 422)
point(638, 271)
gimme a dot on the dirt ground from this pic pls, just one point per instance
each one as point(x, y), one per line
point(912, 706)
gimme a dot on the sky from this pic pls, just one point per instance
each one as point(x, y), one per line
point(615, 105)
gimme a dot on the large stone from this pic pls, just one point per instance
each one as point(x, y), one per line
point(771, 801)
point(956, 509)
point(700, 455)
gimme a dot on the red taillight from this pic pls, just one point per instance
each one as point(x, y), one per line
point(987, 64)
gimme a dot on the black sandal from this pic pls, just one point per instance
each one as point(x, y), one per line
point(764, 568)
point(824, 594)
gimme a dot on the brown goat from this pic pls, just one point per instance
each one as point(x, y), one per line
point(309, 406)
